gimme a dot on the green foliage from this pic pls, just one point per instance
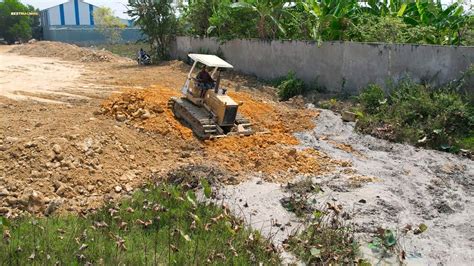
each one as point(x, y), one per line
point(268, 12)
point(437, 118)
point(157, 22)
point(331, 19)
point(290, 86)
point(108, 24)
point(159, 225)
point(16, 28)
point(326, 240)
point(126, 49)
point(395, 21)
point(228, 23)
point(372, 98)
point(206, 187)
point(372, 28)
point(197, 16)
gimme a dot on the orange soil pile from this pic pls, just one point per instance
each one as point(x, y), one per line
point(270, 151)
point(153, 99)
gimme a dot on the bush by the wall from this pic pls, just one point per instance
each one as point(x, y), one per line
point(372, 98)
point(414, 113)
point(290, 86)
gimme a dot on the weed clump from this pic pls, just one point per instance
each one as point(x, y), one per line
point(414, 113)
point(290, 86)
point(300, 200)
point(326, 240)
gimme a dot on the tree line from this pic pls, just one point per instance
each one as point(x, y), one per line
point(401, 21)
point(391, 21)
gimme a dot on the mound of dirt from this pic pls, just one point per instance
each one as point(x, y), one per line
point(270, 151)
point(68, 52)
point(128, 107)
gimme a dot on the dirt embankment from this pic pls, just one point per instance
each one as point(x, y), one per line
point(68, 52)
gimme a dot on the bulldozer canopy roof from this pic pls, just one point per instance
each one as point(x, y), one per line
point(210, 60)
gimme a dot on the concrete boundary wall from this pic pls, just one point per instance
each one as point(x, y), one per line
point(338, 66)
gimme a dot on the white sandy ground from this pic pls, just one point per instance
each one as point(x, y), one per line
point(31, 78)
point(412, 186)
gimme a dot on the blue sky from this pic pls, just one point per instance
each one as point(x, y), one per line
point(118, 6)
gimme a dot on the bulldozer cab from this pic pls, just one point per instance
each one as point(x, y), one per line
point(193, 89)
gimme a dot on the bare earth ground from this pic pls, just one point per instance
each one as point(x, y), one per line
point(69, 144)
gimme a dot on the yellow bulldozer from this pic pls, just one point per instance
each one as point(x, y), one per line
point(208, 110)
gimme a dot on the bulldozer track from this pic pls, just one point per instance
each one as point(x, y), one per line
point(201, 122)
point(202, 125)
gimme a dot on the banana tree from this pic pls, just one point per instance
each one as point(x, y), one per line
point(331, 18)
point(385, 7)
point(267, 11)
point(451, 22)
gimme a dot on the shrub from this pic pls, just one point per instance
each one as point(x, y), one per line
point(441, 119)
point(372, 98)
point(290, 86)
point(326, 240)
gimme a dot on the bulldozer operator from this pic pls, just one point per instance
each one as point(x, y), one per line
point(205, 81)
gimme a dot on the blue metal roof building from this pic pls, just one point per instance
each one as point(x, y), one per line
point(70, 13)
point(73, 22)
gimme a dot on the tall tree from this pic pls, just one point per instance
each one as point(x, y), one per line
point(14, 28)
point(158, 23)
point(109, 25)
point(197, 16)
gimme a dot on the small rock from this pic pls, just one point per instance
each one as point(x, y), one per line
point(120, 117)
point(52, 206)
point(30, 144)
point(128, 176)
point(11, 139)
point(292, 152)
point(57, 148)
point(146, 114)
point(362, 201)
point(33, 200)
point(128, 188)
point(4, 210)
point(65, 191)
point(348, 116)
point(118, 189)
point(4, 192)
point(185, 154)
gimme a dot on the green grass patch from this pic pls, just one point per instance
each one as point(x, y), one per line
point(161, 224)
point(125, 50)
